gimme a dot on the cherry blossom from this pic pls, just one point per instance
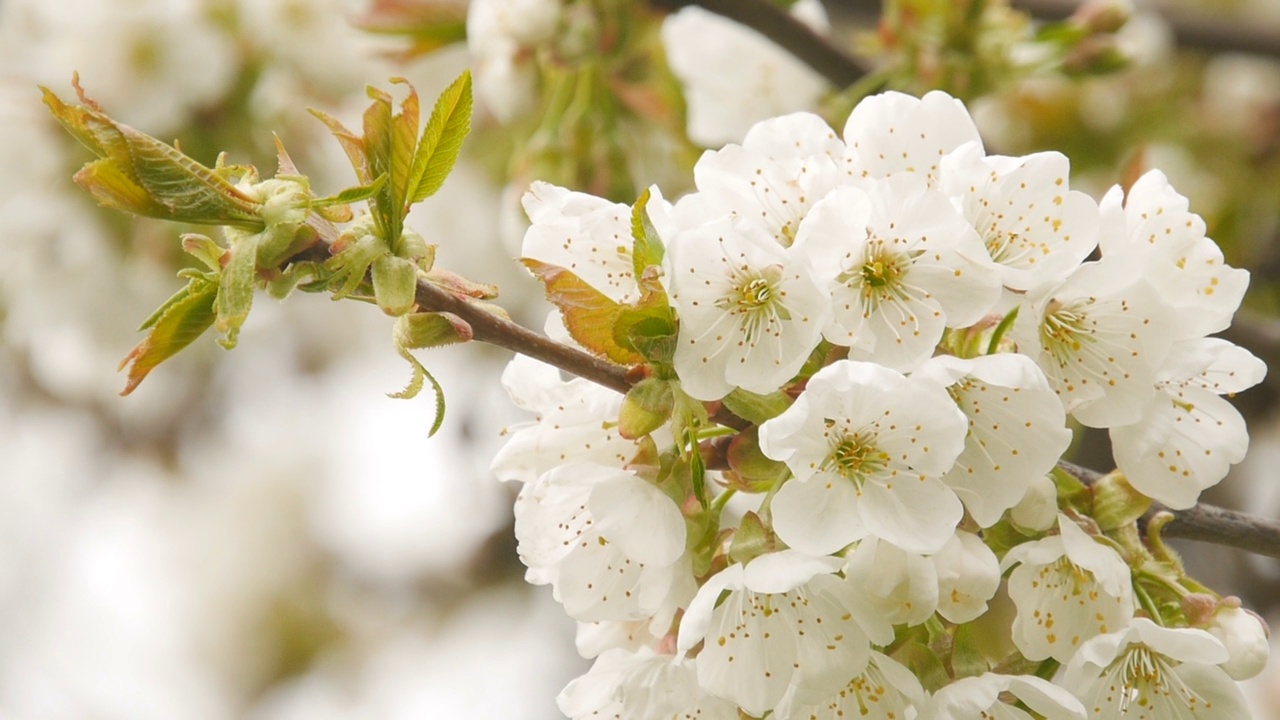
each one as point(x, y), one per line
point(980, 698)
point(893, 132)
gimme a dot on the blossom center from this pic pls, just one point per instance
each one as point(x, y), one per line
point(756, 301)
point(1063, 329)
point(854, 457)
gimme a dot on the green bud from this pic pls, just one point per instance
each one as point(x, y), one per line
point(1116, 503)
point(395, 284)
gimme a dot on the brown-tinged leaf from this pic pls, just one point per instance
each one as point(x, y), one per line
point(184, 317)
point(588, 314)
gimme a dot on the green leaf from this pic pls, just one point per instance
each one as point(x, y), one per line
point(757, 408)
point(395, 284)
point(751, 540)
point(352, 194)
point(647, 250)
point(646, 407)
point(441, 140)
point(588, 314)
point(139, 174)
point(180, 320)
point(235, 291)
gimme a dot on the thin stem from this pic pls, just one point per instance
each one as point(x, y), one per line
point(798, 39)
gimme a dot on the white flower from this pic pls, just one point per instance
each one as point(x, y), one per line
point(1148, 672)
point(611, 545)
point(733, 77)
point(900, 587)
point(979, 698)
point(641, 685)
point(1164, 242)
point(867, 447)
point(1035, 228)
point(1245, 636)
point(577, 421)
point(499, 33)
point(584, 234)
point(1068, 588)
point(886, 690)
point(595, 637)
point(968, 576)
point(1017, 429)
point(750, 310)
point(783, 166)
point(786, 623)
point(1038, 509)
point(893, 132)
point(1099, 337)
point(1189, 436)
point(901, 266)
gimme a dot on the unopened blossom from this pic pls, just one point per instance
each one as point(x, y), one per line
point(983, 698)
point(901, 587)
point(900, 265)
point(641, 685)
point(585, 234)
point(1245, 636)
point(1189, 435)
point(867, 447)
point(1038, 509)
point(611, 544)
point(750, 310)
point(1099, 337)
point(894, 132)
point(968, 576)
point(576, 422)
point(1016, 429)
point(787, 624)
point(1149, 672)
point(1162, 240)
point(783, 166)
point(734, 77)
point(1035, 227)
point(885, 690)
point(1067, 588)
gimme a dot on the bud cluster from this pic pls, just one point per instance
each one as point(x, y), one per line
point(858, 360)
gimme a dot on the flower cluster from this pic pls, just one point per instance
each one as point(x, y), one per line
point(858, 358)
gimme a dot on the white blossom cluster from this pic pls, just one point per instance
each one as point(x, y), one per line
point(934, 316)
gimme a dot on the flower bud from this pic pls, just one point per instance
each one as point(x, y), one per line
point(1245, 636)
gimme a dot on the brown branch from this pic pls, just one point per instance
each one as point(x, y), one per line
point(807, 46)
point(1207, 523)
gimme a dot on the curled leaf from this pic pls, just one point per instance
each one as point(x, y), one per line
point(427, 330)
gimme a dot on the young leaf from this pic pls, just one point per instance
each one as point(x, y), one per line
point(646, 407)
point(588, 314)
point(395, 282)
point(751, 540)
point(352, 194)
point(757, 408)
point(427, 330)
point(647, 250)
point(235, 291)
point(184, 317)
point(352, 145)
point(139, 174)
point(441, 140)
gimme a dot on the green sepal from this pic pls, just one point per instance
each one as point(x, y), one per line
point(749, 468)
point(751, 540)
point(427, 330)
point(441, 141)
point(395, 284)
point(647, 250)
point(588, 313)
point(139, 174)
point(757, 408)
point(235, 292)
point(646, 407)
point(204, 249)
point(349, 266)
point(181, 319)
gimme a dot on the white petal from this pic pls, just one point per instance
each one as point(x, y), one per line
point(818, 515)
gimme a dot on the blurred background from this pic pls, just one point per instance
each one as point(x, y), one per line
point(263, 534)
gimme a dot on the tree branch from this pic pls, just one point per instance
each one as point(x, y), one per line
point(798, 39)
point(1206, 523)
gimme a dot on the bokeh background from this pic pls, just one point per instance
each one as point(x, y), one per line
point(263, 534)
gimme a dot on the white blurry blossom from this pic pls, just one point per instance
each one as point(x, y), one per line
point(787, 625)
point(610, 544)
point(868, 447)
point(1162, 240)
point(886, 690)
point(734, 77)
point(783, 166)
point(1036, 229)
point(502, 36)
point(1017, 429)
point(642, 685)
point(1068, 588)
point(576, 421)
point(900, 265)
point(894, 132)
point(750, 310)
point(1149, 672)
point(156, 62)
point(1189, 435)
point(982, 698)
point(1099, 337)
point(1246, 638)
